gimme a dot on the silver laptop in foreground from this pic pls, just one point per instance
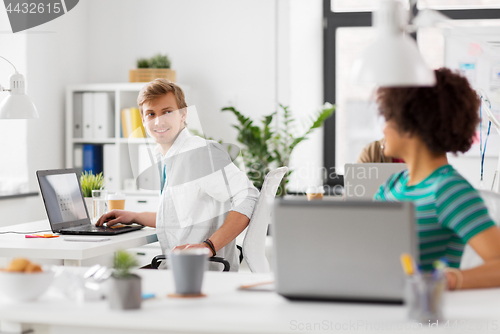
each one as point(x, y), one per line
point(335, 250)
point(362, 181)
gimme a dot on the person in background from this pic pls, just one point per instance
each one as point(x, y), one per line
point(422, 125)
point(374, 153)
point(205, 201)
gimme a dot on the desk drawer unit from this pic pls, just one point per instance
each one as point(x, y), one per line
point(142, 203)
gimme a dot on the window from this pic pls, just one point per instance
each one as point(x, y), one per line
point(14, 162)
point(347, 31)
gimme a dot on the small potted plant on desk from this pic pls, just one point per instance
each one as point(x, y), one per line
point(89, 181)
point(125, 290)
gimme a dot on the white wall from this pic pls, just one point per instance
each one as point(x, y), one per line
point(53, 56)
point(223, 49)
point(251, 54)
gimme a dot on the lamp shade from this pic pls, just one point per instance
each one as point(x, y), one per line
point(17, 105)
point(393, 59)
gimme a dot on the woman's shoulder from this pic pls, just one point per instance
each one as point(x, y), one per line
point(450, 183)
point(392, 185)
point(398, 178)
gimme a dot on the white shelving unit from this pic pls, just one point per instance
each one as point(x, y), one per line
point(123, 95)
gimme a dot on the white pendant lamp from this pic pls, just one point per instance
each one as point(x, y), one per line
point(17, 105)
point(393, 59)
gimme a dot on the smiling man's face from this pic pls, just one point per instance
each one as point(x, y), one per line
point(163, 120)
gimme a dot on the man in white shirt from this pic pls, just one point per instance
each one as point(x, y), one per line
point(206, 201)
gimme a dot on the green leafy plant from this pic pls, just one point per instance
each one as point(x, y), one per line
point(143, 63)
point(90, 181)
point(157, 61)
point(123, 262)
point(160, 61)
point(268, 147)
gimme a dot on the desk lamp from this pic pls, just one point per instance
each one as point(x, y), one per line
point(393, 59)
point(17, 105)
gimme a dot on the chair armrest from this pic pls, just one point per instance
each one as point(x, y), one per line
point(220, 260)
point(155, 262)
point(241, 252)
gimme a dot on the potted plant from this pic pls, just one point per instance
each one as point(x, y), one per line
point(89, 181)
point(149, 69)
point(267, 147)
point(125, 290)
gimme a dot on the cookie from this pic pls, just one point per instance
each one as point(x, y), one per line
point(18, 265)
point(33, 268)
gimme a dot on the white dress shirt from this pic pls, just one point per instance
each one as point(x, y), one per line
point(201, 186)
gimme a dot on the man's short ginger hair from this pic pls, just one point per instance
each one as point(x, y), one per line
point(444, 116)
point(158, 88)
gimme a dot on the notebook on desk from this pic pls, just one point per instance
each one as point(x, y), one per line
point(362, 181)
point(350, 251)
point(65, 206)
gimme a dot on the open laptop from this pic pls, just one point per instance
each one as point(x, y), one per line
point(362, 181)
point(66, 209)
point(347, 251)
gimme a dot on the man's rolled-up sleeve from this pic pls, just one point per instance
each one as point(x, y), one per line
point(244, 194)
point(235, 185)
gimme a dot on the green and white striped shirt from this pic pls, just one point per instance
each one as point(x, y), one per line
point(449, 211)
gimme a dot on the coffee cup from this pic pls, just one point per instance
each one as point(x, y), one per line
point(188, 267)
point(315, 193)
point(116, 201)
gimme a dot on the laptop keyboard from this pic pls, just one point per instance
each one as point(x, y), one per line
point(89, 228)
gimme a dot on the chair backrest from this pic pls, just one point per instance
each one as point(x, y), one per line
point(491, 199)
point(255, 238)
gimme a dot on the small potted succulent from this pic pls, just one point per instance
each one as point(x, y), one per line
point(125, 289)
point(90, 181)
point(149, 69)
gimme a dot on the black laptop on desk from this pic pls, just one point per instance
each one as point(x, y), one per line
point(65, 206)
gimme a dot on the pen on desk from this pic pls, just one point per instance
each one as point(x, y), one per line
point(146, 296)
point(439, 267)
point(47, 235)
point(407, 263)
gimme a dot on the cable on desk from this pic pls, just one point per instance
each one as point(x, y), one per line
point(33, 232)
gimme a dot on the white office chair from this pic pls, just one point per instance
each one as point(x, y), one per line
point(256, 232)
point(491, 199)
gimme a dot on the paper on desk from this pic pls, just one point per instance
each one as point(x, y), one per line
point(87, 239)
point(258, 286)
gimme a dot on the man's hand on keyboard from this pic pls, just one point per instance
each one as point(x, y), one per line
point(116, 217)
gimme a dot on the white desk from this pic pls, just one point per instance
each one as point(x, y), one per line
point(227, 310)
point(72, 253)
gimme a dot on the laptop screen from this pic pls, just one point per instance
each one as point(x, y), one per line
point(63, 199)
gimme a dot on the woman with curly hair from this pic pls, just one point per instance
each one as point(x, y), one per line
point(422, 125)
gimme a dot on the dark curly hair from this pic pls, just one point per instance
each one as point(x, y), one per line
point(444, 116)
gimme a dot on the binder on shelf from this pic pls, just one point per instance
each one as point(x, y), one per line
point(132, 126)
point(77, 115)
point(78, 158)
point(88, 115)
point(110, 167)
point(102, 108)
point(126, 122)
point(92, 158)
point(137, 127)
